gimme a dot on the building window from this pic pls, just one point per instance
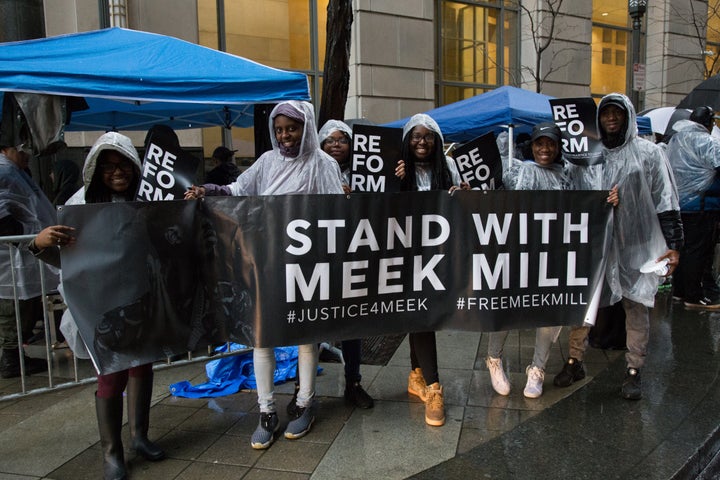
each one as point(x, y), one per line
point(610, 37)
point(607, 56)
point(477, 49)
point(287, 34)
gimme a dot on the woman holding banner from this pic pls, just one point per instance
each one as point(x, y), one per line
point(423, 167)
point(335, 140)
point(295, 165)
point(111, 174)
point(544, 172)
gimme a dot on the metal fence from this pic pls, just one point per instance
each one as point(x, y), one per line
point(52, 301)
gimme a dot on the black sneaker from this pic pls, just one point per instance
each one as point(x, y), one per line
point(10, 364)
point(632, 387)
point(292, 407)
point(355, 394)
point(300, 425)
point(572, 372)
point(702, 304)
point(264, 434)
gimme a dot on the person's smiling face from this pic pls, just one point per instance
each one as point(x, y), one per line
point(117, 171)
point(612, 119)
point(422, 142)
point(545, 150)
point(288, 132)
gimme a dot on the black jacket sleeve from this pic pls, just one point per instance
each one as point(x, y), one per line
point(672, 229)
point(49, 255)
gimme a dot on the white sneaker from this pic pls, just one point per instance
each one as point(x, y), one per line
point(500, 382)
point(534, 386)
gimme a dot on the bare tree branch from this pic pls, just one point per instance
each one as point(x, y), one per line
point(543, 23)
point(701, 22)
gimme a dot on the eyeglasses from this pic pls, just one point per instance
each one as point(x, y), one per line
point(428, 137)
point(110, 167)
point(332, 141)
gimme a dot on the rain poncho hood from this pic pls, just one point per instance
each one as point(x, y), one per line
point(694, 156)
point(426, 121)
point(107, 141)
point(332, 126)
point(646, 188)
point(22, 198)
point(311, 171)
point(424, 171)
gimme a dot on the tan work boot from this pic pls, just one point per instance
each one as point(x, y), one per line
point(435, 405)
point(416, 384)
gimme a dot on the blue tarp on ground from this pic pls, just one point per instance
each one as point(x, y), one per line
point(467, 119)
point(132, 80)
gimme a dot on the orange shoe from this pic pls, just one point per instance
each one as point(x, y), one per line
point(435, 405)
point(416, 384)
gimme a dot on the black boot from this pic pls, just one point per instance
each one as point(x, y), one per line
point(10, 364)
point(109, 417)
point(139, 395)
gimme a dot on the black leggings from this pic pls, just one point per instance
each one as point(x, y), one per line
point(352, 349)
point(423, 354)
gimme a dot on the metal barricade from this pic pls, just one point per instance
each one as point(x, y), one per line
point(49, 304)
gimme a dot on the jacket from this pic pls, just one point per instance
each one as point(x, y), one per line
point(22, 199)
point(694, 157)
point(647, 220)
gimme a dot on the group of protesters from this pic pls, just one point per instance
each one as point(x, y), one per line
point(635, 172)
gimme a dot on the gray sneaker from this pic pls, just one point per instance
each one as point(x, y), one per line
point(301, 424)
point(265, 431)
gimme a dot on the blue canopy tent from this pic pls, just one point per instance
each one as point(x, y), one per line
point(644, 125)
point(491, 111)
point(503, 108)
point(132, 80)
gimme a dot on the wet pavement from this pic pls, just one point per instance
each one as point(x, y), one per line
point(586, 431)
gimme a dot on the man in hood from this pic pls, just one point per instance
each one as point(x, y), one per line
point(694, 156)
point(647, 230)
point(24, 210)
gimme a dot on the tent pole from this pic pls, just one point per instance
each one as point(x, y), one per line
point(511, 141)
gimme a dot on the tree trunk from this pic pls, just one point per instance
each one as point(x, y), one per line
point(336, 72)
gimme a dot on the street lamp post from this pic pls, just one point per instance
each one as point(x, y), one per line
point(636, 9)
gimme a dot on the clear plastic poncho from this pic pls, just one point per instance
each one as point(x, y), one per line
point(528, 175)
point(23, 199)
point(423, 171)
point(311, 171)
point(645, 188)
point(694, 156)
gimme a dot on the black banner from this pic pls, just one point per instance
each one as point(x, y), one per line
point(577, 119)
point(146, 280)
point(479, 163)
point(375, 153)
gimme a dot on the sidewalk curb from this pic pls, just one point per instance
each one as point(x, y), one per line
point(700, 459)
